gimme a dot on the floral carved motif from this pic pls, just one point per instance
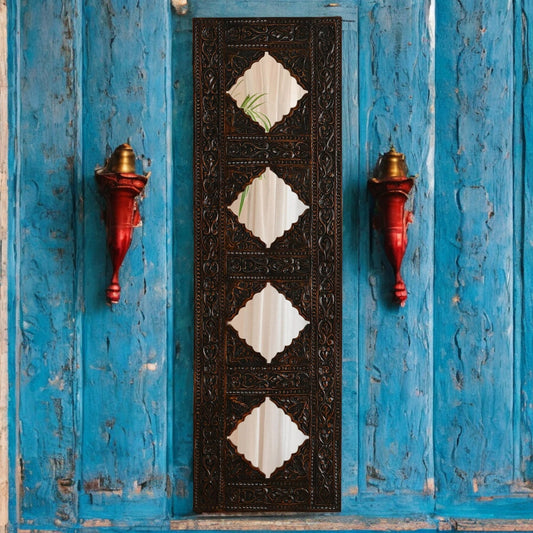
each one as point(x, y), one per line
point(264, 265)
point(252, 32)
point(243, 148)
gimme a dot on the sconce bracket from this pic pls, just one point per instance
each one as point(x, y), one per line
point(119, 185)
point(391, 186)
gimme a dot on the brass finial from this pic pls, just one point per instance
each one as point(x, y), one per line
point(391, 165)
point(122, 160)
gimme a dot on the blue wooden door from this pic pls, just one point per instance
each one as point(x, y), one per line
point(437, 412)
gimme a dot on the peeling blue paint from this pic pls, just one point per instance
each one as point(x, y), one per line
point(437, 396)
point(474, 254)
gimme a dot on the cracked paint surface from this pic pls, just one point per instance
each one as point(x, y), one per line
point(437, 396)
point(474, 365)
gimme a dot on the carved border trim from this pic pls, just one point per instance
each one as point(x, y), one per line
point(207, 262)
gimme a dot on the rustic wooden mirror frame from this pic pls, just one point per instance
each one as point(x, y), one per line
point(231, 265)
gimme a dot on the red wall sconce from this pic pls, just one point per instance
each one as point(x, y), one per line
point(120, 186)
point(390, 186)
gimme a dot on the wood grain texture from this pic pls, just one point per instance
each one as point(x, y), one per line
point(350, 217)
point(4, 143)
point(124, 394)
point(395, 344)
point(524, 206)
point(45, 278)
point(474, 255)
point(180, 473)
point(302, 523)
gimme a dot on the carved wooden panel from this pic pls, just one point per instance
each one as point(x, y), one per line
point(302, 267)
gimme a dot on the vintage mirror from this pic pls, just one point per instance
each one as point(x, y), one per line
point(267, 179)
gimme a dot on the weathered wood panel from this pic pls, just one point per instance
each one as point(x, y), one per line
point(4, 142)
point(474, 251)
point(350, 313)
point(524, 207)
point(395, 344)
point(124, 449)
point(182, 353)
point(46, 188)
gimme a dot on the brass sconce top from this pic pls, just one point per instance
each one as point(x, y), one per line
point(122, 160)
point(390, 165)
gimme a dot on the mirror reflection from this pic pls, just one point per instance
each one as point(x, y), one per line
point(266, 92)
point(268, 207)
point(268, 322)
point(267, 437)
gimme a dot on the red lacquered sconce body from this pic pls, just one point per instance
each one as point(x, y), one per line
point(120, 186)
point(390, 186)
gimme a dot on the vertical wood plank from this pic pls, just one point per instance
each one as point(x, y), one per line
point(395, 344)
point(4, 143)
point(474, 255)
point(350, 311)
point(45, 209)
point(124, 455)
point(182, 138)
point(520, 77)
point(525, 22)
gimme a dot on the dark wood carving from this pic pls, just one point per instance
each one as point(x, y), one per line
point(296, 240)
point(297, 354)
point(246, 149)
point(264, 265)
point(267, 31)
point(232, 265)
point(296, 471)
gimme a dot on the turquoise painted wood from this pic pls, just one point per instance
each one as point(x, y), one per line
point(125, 367)
point(437, 396)
point(44, 277)
point(474, 267)
point(524, 318)
point(394, 344)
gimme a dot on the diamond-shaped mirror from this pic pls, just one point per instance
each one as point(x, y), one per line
point(266, 92)
point(268, 207)
point(267, 437)
point(268, 322)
